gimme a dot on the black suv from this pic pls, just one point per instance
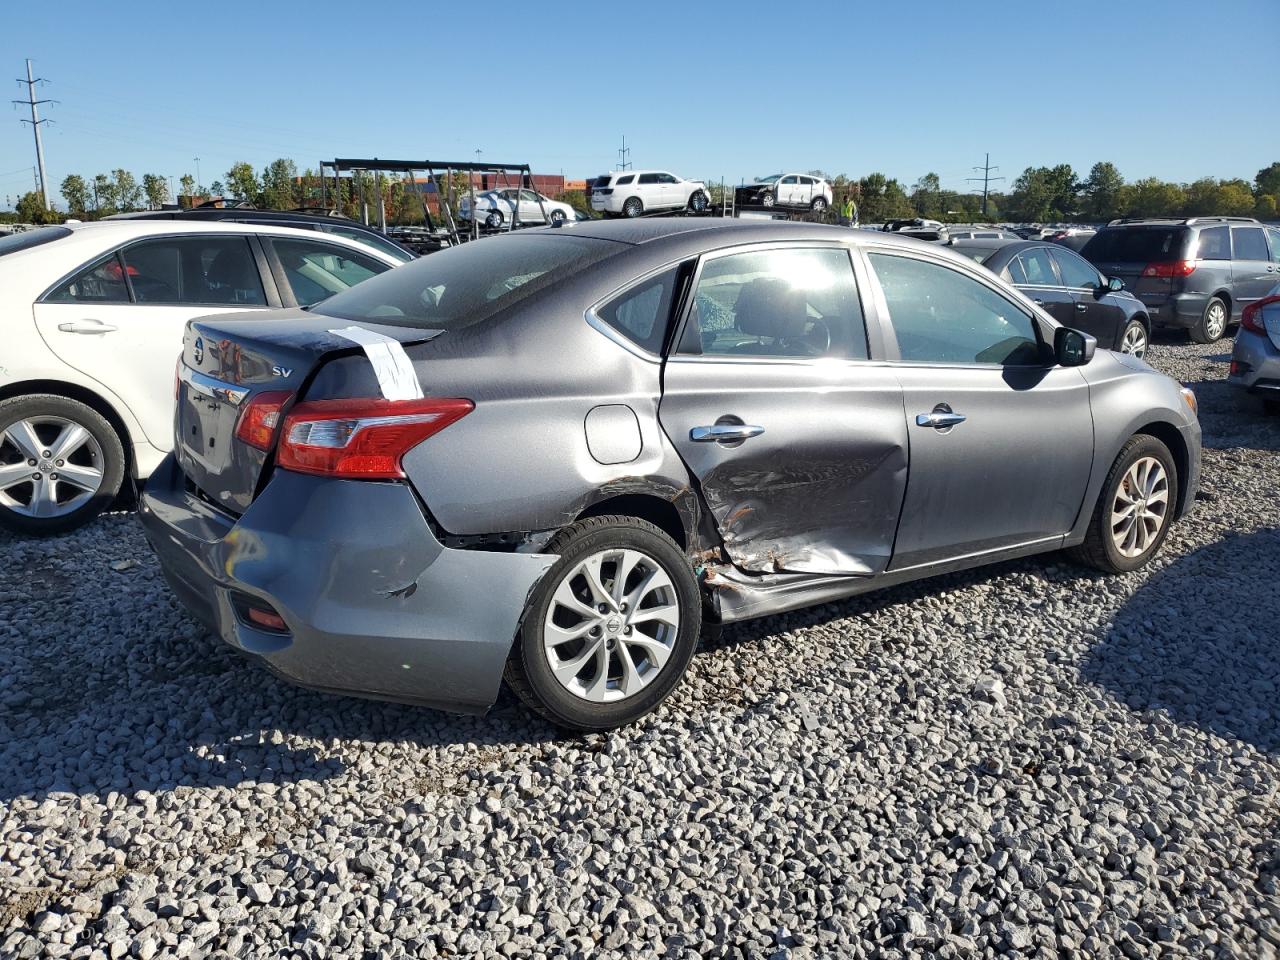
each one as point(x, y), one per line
point(1197, 274)
point(339, 226)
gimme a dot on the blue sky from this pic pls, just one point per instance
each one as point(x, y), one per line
point(711, 90)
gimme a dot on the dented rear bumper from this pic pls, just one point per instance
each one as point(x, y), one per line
point(374, 605)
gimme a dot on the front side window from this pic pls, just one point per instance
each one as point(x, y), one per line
point(1274, 236)
point(1014, 272)
point(1215, 244)
point(371, 239)
point(101, 282)
point(641, 313)
point(319, 270)
point(666, 178)
point(1038, 268)
point(206, 270)
point(942, 316)
point(788, 180)
point(1076, 272)
point(1250, 243)
point(794, 303)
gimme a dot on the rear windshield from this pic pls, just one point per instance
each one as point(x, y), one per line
point(31, 238)
point(1137, 245)
point(465, 285)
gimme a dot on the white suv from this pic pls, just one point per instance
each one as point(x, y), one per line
point(631, 193)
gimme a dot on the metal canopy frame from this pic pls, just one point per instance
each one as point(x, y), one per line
point(433, 169)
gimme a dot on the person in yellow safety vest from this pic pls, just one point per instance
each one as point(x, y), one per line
point(849, 211)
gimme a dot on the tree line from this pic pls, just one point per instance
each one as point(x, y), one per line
point(1038, 195)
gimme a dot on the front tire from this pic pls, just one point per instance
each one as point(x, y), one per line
point(557, 217)
point(61, 464)
point(1134, 509)
point(1134, 339)
point(1213, 322)
point(611, 627)
point(494, 220)
point(699, 201)
point(768, 199)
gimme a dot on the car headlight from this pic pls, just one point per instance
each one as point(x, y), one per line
point(1189, 398)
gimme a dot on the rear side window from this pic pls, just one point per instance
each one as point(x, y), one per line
point(1137, 245)
point(1250, 243)
point(1215, 244)
point(318, 270)
point(372, 239)
point(1274, 236)
point(31, 238)
point(939, 315)
point(641, 313)
point(463, 286)
point(647, 178)
point(212, 270)
point(1014, 272)
point(792, 303)
point(1038, 268)
point(101, 282)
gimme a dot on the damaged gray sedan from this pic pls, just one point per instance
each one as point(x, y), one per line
point(551, 456)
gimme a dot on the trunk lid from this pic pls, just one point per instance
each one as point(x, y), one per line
point(229, 360)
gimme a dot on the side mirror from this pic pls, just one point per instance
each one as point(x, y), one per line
point(1115, 284)
point(1071, 348)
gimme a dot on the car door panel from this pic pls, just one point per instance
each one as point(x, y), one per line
point(1013, 472)
point(1094, 311)
point(132, 347)
point(819, 490)
point(1252, 271)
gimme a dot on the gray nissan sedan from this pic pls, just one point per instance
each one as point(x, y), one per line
point(550, 457)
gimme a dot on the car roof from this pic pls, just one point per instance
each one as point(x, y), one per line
point(236, 213)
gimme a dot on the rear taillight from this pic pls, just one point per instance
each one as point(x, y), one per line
point(258, 421)
point(362, 439)
point(1176, 268)
point(604, 191)
point(1251, 318)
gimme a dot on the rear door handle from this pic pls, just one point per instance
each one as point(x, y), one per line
point(724, 432)
point(86, 326)
point(1081, 308)
point(939, 419)
point(1038, 303)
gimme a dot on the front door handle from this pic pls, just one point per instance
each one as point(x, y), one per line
point(939, 419)
point(1081, 308)
point(724, 433)
point(86, 326)
point(1038, 303)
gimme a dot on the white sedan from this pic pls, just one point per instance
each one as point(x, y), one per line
point(94, 319)
point(496, 209)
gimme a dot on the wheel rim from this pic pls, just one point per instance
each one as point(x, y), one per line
point(1135, 340)
point(633, 208)
point(494, 220)
point(1216, 320)
point(699, 203)
point(611, 626)
point(49, 467)
point(1141, 507)
point(819, 204)
point(767, 200)
point(557, 216)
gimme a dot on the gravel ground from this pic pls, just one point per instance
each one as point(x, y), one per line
point(1024, 760)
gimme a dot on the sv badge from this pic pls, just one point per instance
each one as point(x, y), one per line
point(278, 371)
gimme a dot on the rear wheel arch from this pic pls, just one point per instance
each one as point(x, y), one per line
point(89, 398)
point(1171, 437)
point(659, 511)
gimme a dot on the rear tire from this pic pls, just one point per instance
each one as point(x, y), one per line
point(819, 204)
point(77, 482)
point(572, 662)
point(1134, 510)
point(633, 207)
point(1212, 323)
point(557, 217)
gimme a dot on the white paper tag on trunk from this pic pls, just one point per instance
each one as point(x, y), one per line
point(391, 365)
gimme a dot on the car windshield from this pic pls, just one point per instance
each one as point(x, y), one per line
point(31, 238)
point(1137, 245)
point(466, 285)
point(770, 178)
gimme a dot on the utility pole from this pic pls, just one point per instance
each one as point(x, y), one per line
point(199, 191)
point(35, 122)
point(986, 179)
point(624, 155)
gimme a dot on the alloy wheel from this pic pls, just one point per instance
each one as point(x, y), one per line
point(1215, 322)
point(767, 200)
point(1135, 340)
point(49, 467)
point(1141, 507)
point(611, 625)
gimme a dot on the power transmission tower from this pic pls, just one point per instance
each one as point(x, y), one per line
point(986, 179)
point(35, 122)
point(624, 155)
